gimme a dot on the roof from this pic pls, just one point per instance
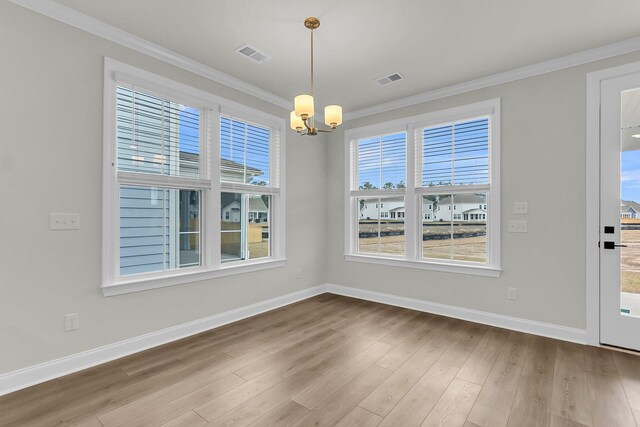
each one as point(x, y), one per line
point(463, 198)
point(257, 204)
point(226, 164)
point(628, 203)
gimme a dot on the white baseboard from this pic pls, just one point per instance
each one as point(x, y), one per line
point(32, 375)
point(563, 333)
point(27, 377)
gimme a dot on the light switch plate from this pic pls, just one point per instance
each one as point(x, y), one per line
point(64, 221)
point(520, 208)
point(517, 226)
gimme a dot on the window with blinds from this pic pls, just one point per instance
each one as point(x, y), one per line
point(159, 178)
point(456, 153)
point(156, 135)
point(382, 162)
point(446, 211)
point(244, 152)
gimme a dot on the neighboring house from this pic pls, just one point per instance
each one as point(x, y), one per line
point(258, 211)
point(143, 252)
point(466, 207)
point(629, 209)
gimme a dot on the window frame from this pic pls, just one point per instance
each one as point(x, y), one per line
point(414, 190)
point(209, 184)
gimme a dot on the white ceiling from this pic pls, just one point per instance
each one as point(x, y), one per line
point(433, 43)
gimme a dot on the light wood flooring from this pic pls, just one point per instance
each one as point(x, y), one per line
point(332, 360)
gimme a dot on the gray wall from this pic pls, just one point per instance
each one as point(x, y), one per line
point(543, 162)
point(51, 161)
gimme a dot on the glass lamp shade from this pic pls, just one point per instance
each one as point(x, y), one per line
point(303, 105)
point(296, 122)
point(333, 115)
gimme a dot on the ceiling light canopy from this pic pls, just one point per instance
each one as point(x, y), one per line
point(301, 117)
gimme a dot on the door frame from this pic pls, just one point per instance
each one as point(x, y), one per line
point(594, 81)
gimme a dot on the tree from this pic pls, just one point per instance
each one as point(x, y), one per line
point(401, 184)
point(388, 185)
point(368, 186)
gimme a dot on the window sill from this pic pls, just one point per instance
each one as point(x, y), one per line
point(428, 265)
point(139, 284)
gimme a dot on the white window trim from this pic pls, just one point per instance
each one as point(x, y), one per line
point(412, 258)
point(115, 73)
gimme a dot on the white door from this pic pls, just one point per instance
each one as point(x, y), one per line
point(620, 212)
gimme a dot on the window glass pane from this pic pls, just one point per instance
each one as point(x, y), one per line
point(436, 226)
point(456, 153)
point(392, 240)
point(368, 226)
point(156, 135)
point(381, 226)
point(159, 229)
point(470, 227)
point(454, 227)
point(244, 152)
point(471, 157)
point(258, 236)
point(382, 162)
point(437, 152)
point(231, 227)
point(245, 226)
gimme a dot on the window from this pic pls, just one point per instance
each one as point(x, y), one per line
point(161, 182)
point(446, 216)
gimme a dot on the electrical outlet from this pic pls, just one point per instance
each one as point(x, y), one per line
point(517, 226)
point(511, 294)
point(299, 273)
point(520, 208)
point(71, 322)
point(64, 221)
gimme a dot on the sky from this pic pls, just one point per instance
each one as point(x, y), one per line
point(630, 175)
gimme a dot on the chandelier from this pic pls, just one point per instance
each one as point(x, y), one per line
point(302, 116)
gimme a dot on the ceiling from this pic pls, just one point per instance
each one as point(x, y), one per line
point(433, 43)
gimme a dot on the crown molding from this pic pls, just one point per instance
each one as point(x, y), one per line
point(579, 58)
point(94, 26)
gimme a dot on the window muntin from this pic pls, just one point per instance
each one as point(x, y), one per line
point(452, 155)
point(159, 229)
point(458, 236)
point(381, 226)
point(160, 150)
point(245, 227)
point(455, 155)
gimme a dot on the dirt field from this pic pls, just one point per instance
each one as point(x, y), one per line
point(259, 250)
point(470, 246)
point(630, 261)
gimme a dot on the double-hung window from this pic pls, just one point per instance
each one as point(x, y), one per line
point(191, 184)
point(437, 176)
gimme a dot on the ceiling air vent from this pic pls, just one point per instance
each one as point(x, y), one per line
point(389, 79)
point(252, 53)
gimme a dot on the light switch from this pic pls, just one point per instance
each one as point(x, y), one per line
point(517, 226)
point(520, 208)
point(64, 221)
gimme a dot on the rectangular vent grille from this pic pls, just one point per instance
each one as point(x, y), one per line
point(252, 53)
point(389, 79)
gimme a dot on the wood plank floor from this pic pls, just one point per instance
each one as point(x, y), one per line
point(332, 360)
